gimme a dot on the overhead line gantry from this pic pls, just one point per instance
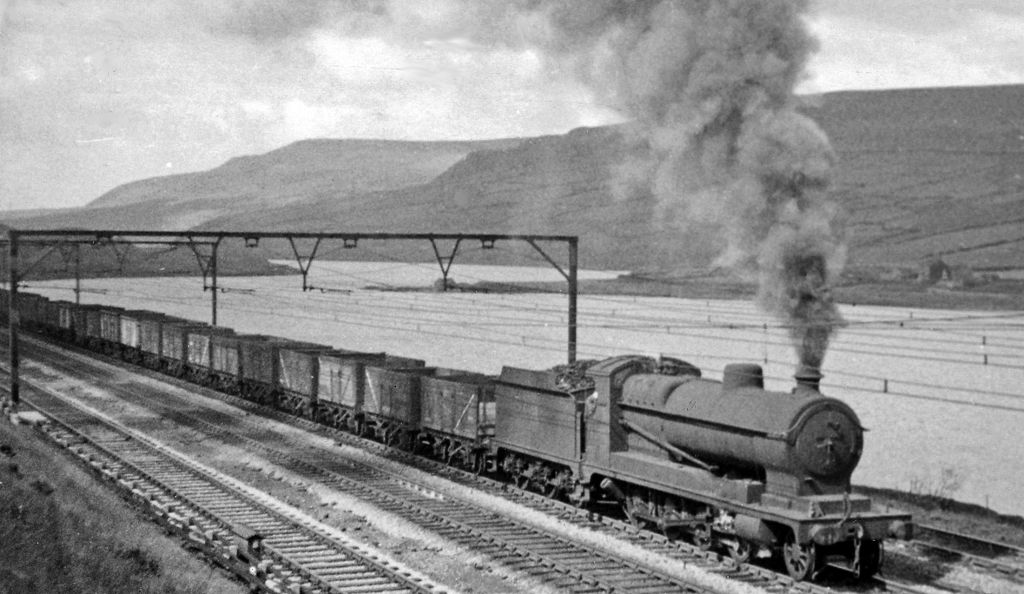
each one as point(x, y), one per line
point(63, 239)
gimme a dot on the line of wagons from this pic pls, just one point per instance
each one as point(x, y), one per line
point(397, 400)
point(728, 464)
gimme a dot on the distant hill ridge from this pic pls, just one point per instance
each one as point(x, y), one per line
point(922, 172)
point(301, 171)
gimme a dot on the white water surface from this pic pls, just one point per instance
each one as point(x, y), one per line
point(940, 392)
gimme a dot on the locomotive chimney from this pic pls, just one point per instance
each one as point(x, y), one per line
point(808, 378)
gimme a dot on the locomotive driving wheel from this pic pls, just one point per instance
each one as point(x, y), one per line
point(673, 531)
point(800, 559)
point(740, 550)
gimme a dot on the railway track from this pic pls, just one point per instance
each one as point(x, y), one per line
point(524, 549)
point(673, 550)
point(274, 547)
point(1001, 559)
point(561, 562)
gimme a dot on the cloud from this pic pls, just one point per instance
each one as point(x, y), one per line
point(195, 82)
point(368, 62)
point(872, 44)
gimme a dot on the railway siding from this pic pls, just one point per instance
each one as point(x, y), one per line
point(274, 546)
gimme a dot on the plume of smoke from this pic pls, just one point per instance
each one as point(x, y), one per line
point(709, 84)
point(787, 220)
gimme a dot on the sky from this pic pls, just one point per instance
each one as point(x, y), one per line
point(97, 93)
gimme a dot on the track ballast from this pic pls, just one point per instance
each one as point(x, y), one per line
point(271, 545)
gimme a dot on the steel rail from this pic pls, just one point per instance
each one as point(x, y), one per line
point(285, 551)
point(1002, 559)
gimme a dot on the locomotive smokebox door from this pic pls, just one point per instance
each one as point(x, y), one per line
point(828, 443)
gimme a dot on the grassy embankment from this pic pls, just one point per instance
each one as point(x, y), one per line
point(63, 531)
point(946, 512)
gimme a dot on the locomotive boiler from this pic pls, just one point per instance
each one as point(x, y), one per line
point(798, 443)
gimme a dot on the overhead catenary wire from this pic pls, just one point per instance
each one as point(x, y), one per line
point(757, 324)
point(553, 345)
point(498, 321)
point(670, 327)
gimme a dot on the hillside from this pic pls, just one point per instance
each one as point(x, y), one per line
point(927, 172)
point(303, 171)
point(548, 185)
point(931, 171)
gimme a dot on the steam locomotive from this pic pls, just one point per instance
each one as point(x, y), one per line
point(727, 464)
